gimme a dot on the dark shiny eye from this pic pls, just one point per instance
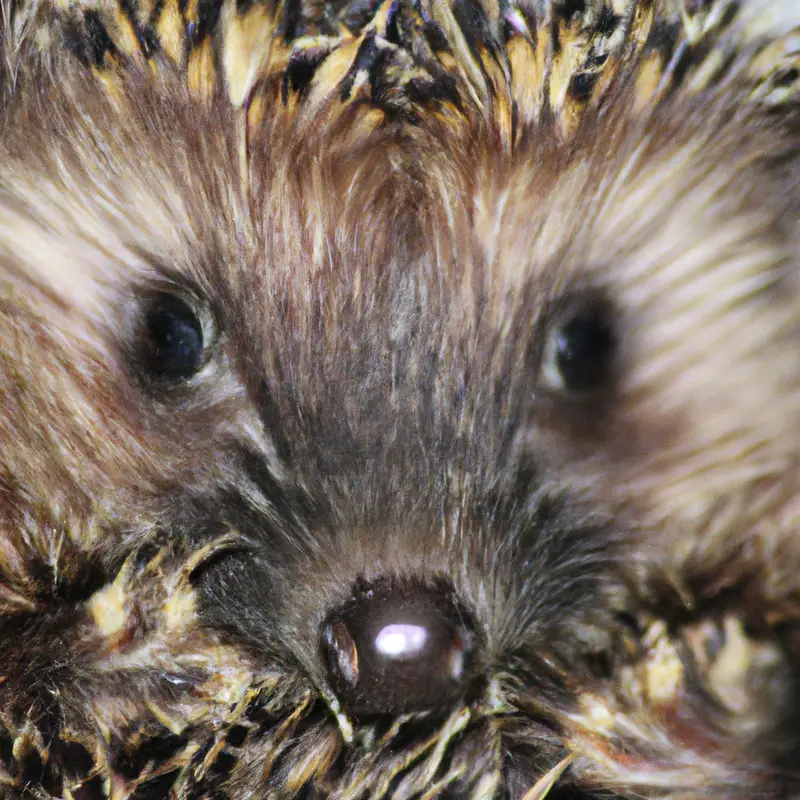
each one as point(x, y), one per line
point(173, 346)
point(580, 349)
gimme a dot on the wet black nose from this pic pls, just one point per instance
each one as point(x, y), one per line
point(399, 647)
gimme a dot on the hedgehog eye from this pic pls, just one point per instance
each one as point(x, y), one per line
point(173, 339)
point(580, 348)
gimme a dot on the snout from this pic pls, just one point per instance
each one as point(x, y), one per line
point(397, 647)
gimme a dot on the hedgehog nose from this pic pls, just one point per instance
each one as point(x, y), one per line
point(396, 647)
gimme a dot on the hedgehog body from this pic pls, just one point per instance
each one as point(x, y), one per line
point(465, 329)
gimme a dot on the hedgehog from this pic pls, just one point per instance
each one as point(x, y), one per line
point(397, 399)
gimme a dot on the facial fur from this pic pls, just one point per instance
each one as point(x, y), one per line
point(193, 539)
point(684, 223)
point(318, 432)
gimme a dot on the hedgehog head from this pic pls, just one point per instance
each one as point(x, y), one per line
point(350, 413)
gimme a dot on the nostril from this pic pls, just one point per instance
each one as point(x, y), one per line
point(397, 647)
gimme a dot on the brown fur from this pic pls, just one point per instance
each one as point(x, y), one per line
point(687, 220)
point(85, 234)
point(376, 290)
point(305, 439)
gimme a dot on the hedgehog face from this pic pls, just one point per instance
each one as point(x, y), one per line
point(311, 447)
point(304, 545)
point(262, 360)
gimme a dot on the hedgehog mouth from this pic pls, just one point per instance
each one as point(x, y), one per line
point(299, 750)
point(285, 739)
point(533, 732)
